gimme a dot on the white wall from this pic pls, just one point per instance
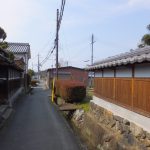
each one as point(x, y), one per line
point(142, 70)
point(98, 74)
point(108, 73)
point(123, 72)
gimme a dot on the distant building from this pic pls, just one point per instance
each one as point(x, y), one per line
point(21, 52)
point(68, 73)
point(122, 83)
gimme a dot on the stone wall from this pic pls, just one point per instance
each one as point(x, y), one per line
point(105, 131)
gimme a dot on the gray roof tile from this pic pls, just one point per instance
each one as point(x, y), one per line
point(18, 48)
point(135, 56)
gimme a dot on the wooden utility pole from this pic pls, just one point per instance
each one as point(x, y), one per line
point(32, 66)
point(57, 43)
point(38, 67)
point(58, 23)
point(92, 58)
point(92, 43)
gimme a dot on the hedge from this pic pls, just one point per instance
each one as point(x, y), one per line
point(70, 91)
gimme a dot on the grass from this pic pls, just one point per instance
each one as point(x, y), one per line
point(85, 103)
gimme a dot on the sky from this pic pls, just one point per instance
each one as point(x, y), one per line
point(117, 26)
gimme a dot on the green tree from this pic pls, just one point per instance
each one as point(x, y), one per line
point(3, 35)
point(11, 56)
point(148, 27)
point(146, 38)
point(31, 72)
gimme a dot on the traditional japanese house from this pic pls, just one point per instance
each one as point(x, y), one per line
point(22, 55)
point(11, 79)
point(122, 85)
point(22, 52)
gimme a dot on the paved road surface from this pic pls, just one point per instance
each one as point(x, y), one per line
point(37, 125)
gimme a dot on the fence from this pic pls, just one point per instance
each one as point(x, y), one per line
point(14, 85)
point(10, 81)
point(131, 93)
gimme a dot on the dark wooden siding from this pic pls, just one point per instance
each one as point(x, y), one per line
point(10, 81)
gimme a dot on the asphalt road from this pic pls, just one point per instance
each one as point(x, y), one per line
point(37, 125)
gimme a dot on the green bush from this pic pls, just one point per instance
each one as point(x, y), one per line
point(70, 91)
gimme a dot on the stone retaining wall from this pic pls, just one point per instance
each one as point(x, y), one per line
point(106, 131)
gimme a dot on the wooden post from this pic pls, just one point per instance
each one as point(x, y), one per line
point(114, 84)
point(57, 39)
point(133, 75)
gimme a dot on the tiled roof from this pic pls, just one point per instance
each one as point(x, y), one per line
point(67, 67)
point(134, 56)
point(19, 48)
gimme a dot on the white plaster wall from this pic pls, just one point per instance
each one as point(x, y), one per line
point(142, 70)
point(138, 119)
point(98, 74)
point(123, 72)
point(108, 73)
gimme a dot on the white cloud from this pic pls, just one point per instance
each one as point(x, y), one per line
point(139, 3)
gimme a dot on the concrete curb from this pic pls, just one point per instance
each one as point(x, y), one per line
point(5, 113)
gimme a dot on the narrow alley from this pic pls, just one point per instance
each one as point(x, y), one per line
point(37, 125)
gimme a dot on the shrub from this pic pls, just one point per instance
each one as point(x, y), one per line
point(34, 82)
point(70, 91)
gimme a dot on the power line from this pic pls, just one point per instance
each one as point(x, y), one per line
point(61, 13)
point(48, 55)
point(58, 23)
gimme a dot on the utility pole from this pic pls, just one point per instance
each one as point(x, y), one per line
point(57, 39)
point(92, 57)
point(38, 67)
point(32, 66)
point(92, 43)
point(58, 23)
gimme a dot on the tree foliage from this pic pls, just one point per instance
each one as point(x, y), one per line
point(3, 35)
point(11, 56)
point(145, 39)
point(31, 72)
point(148, 27)
point(3, 45)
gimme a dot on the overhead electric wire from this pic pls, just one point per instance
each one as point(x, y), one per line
point(48, 55)
point(61, 13)
point(59, 23)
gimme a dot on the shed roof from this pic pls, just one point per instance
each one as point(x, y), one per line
point(134, 56)
point(67, 67)
point(19, 48)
